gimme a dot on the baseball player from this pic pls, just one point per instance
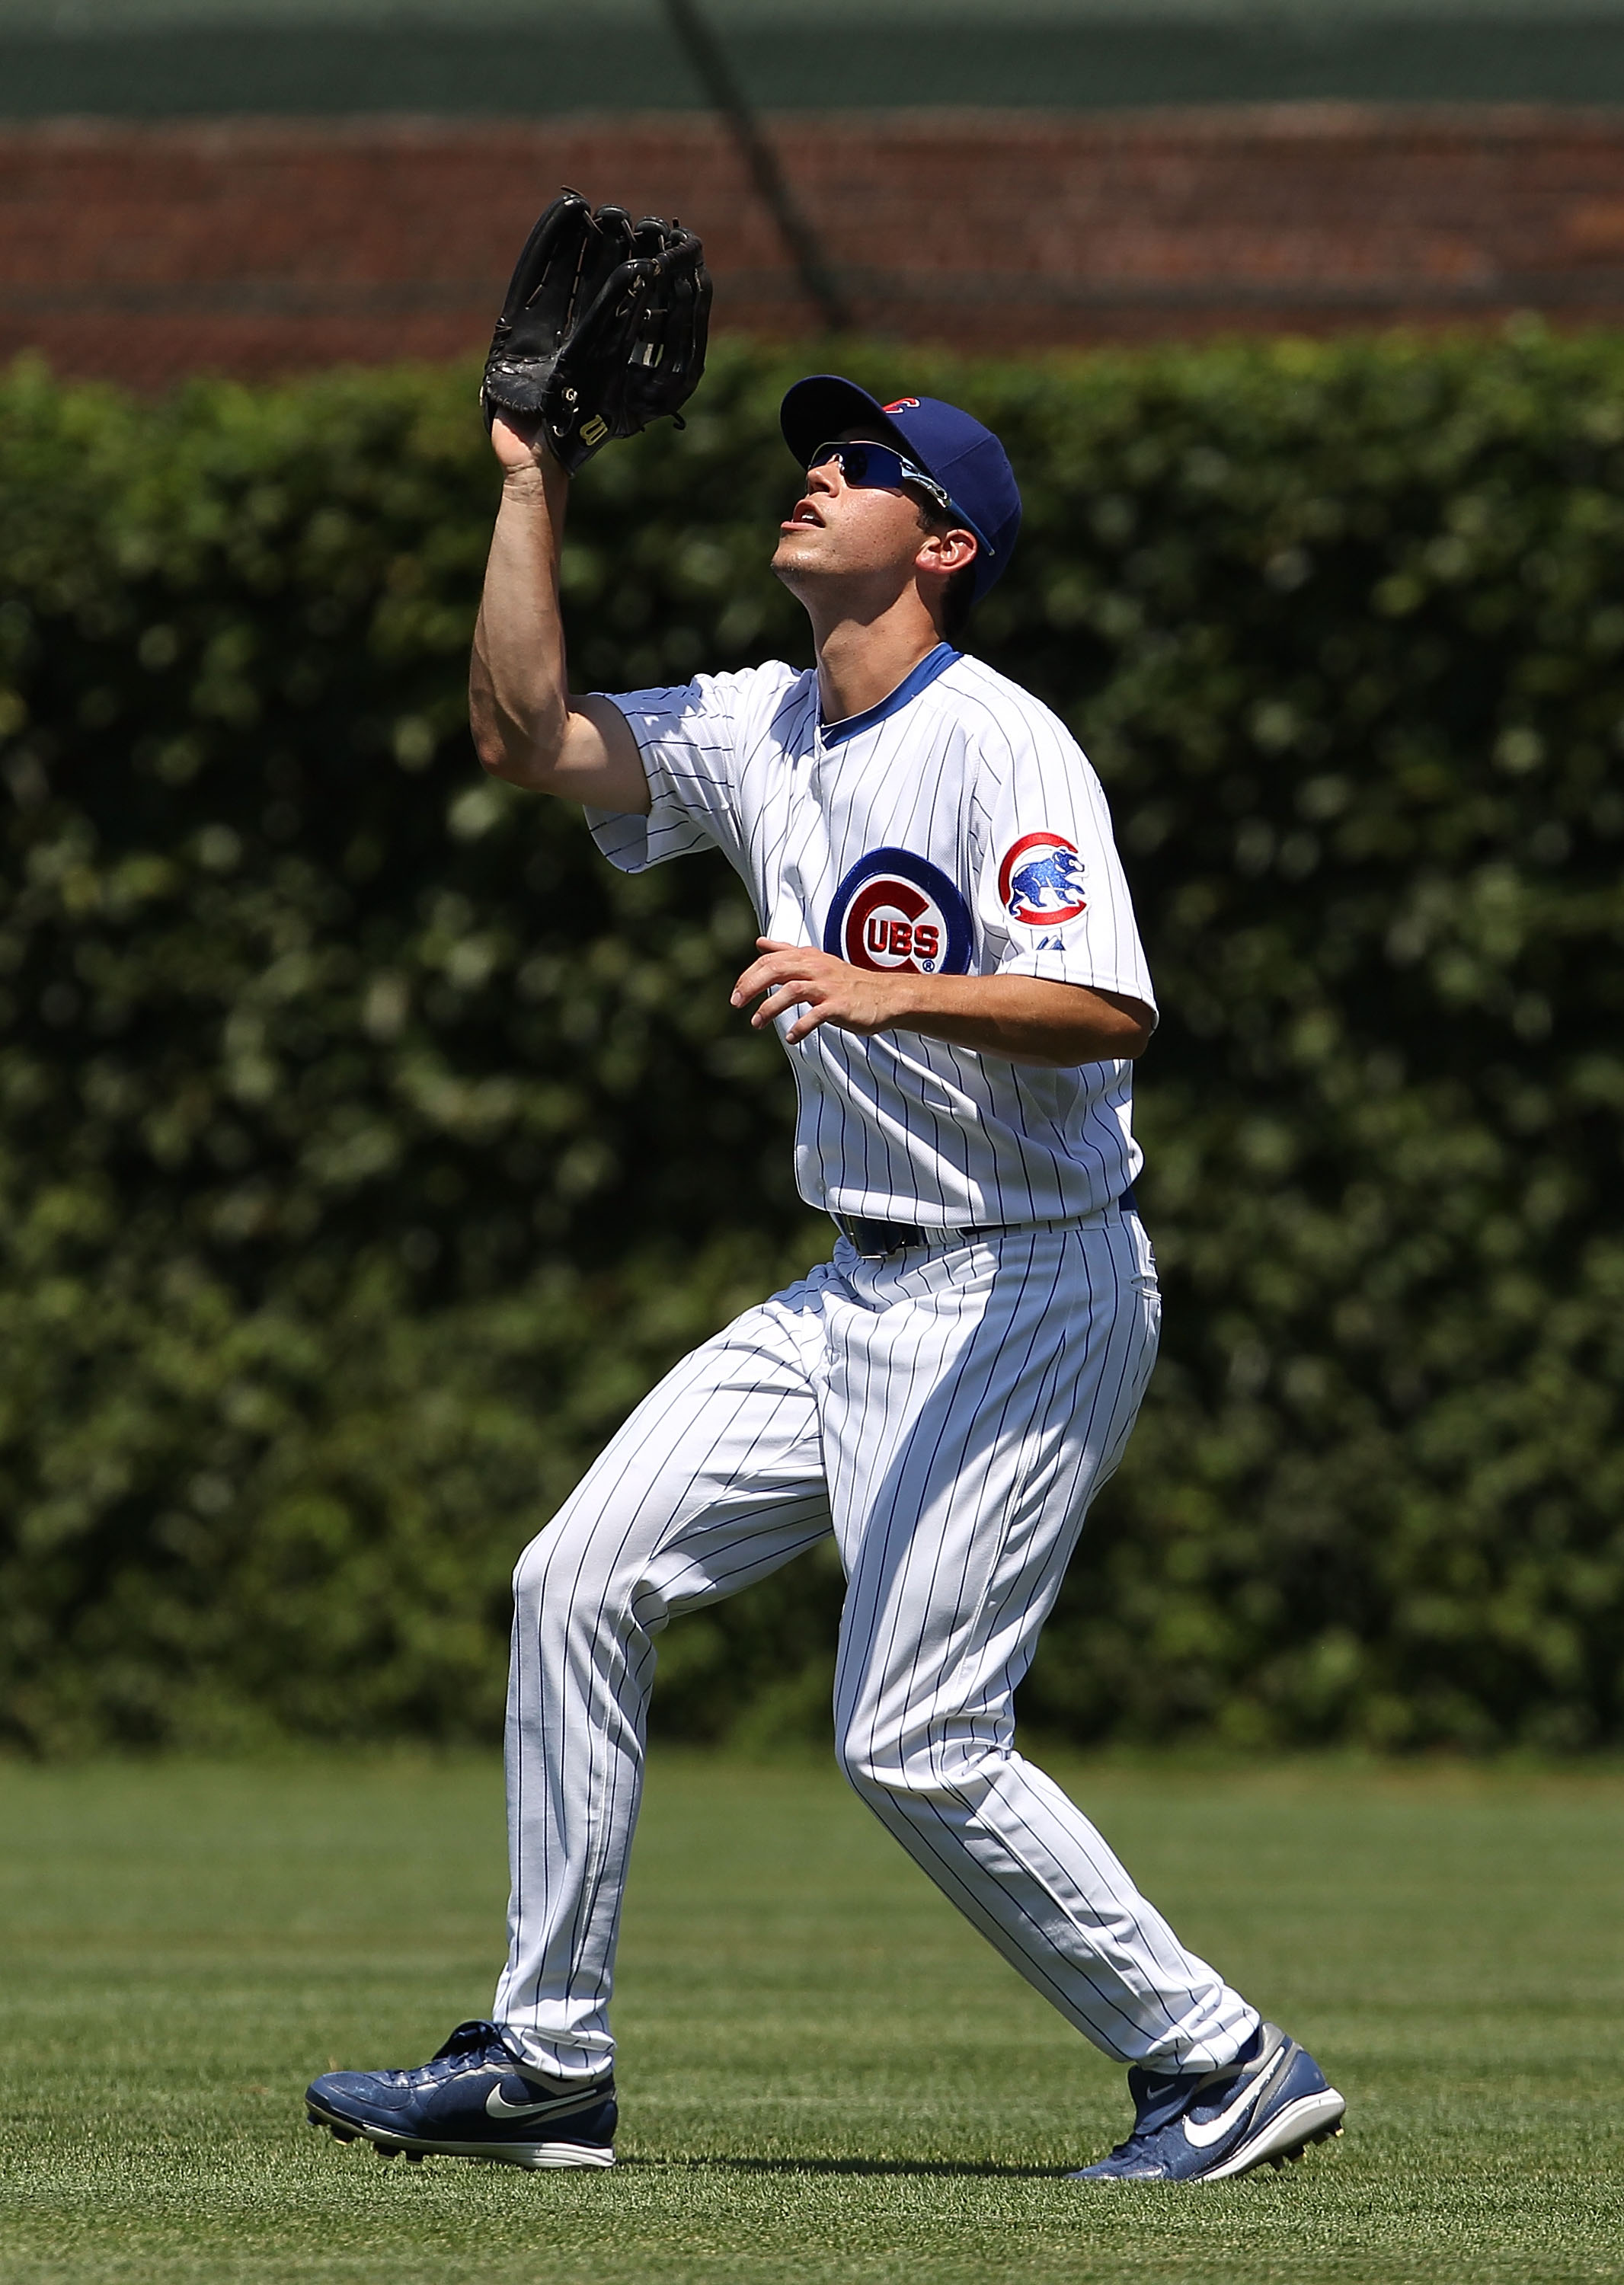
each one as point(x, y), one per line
point(947, 951)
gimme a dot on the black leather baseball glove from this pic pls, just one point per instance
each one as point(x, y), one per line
point(603, 329)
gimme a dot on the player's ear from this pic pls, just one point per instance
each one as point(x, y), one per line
point(949, 550)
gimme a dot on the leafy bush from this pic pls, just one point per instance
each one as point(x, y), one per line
point(368, 1145)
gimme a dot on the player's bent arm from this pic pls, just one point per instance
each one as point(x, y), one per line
point(595, 760)
point(1029, 1019)
point(526, 727)
point(1026, 1019)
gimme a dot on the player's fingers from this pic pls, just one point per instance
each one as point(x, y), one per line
point(756, 978)
point(795, 993)
point(787, 960)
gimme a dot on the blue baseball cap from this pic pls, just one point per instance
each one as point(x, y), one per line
point(965, 458)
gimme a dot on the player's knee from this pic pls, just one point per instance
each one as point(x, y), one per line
point(530, 1571)
point(870, 1760)
point(578, 1574)
point(922, 1761)
point(555, 1568)
point(853, 1765)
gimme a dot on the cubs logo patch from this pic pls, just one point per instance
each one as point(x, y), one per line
point(895, 911)
point(903, 405)
point(1040, 881)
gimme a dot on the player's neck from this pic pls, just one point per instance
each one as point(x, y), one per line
point(860, 661)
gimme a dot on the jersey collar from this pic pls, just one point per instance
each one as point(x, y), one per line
point(937, 661)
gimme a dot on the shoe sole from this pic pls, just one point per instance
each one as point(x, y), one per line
point(534, 2157)
point(1311, 2118)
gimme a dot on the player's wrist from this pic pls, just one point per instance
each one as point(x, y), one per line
point(536, 482)
point(912, 997)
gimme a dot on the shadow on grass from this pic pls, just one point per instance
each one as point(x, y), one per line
point(984, 2169)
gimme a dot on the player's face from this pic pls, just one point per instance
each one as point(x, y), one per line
point(837, 529)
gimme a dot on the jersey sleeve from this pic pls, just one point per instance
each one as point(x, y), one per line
point(1052, 898)
point(689, 740)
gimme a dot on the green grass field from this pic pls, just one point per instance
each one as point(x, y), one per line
point(824, 2074)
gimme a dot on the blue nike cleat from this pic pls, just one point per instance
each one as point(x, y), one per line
point(1261, 2110)
point(477, 2099)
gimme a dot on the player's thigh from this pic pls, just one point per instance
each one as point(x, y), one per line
point(714, 1481)
point(965, 1463)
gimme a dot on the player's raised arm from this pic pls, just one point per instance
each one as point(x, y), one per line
point(526, 727)
point(603, 330)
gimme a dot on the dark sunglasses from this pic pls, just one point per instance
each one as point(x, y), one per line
point(880, 468)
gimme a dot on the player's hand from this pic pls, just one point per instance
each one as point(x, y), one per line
point(516, 442)
point(829, 990)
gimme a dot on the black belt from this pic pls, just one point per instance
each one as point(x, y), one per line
point(874, 1240)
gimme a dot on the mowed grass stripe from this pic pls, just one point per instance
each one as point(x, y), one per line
point(825, 2074)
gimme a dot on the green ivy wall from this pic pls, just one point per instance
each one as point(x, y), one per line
point(367, 1145)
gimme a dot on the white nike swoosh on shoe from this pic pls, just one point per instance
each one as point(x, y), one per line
point(1309, 2119)
point(496, 2106)
point(1203, 2137)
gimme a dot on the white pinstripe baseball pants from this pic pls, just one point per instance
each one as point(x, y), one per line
point(949, 1415)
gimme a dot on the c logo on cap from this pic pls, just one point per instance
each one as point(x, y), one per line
point(903, 405)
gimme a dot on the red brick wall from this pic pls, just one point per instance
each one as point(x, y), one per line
point(273, 245)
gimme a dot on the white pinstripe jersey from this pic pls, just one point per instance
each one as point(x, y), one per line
point(956, 828)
